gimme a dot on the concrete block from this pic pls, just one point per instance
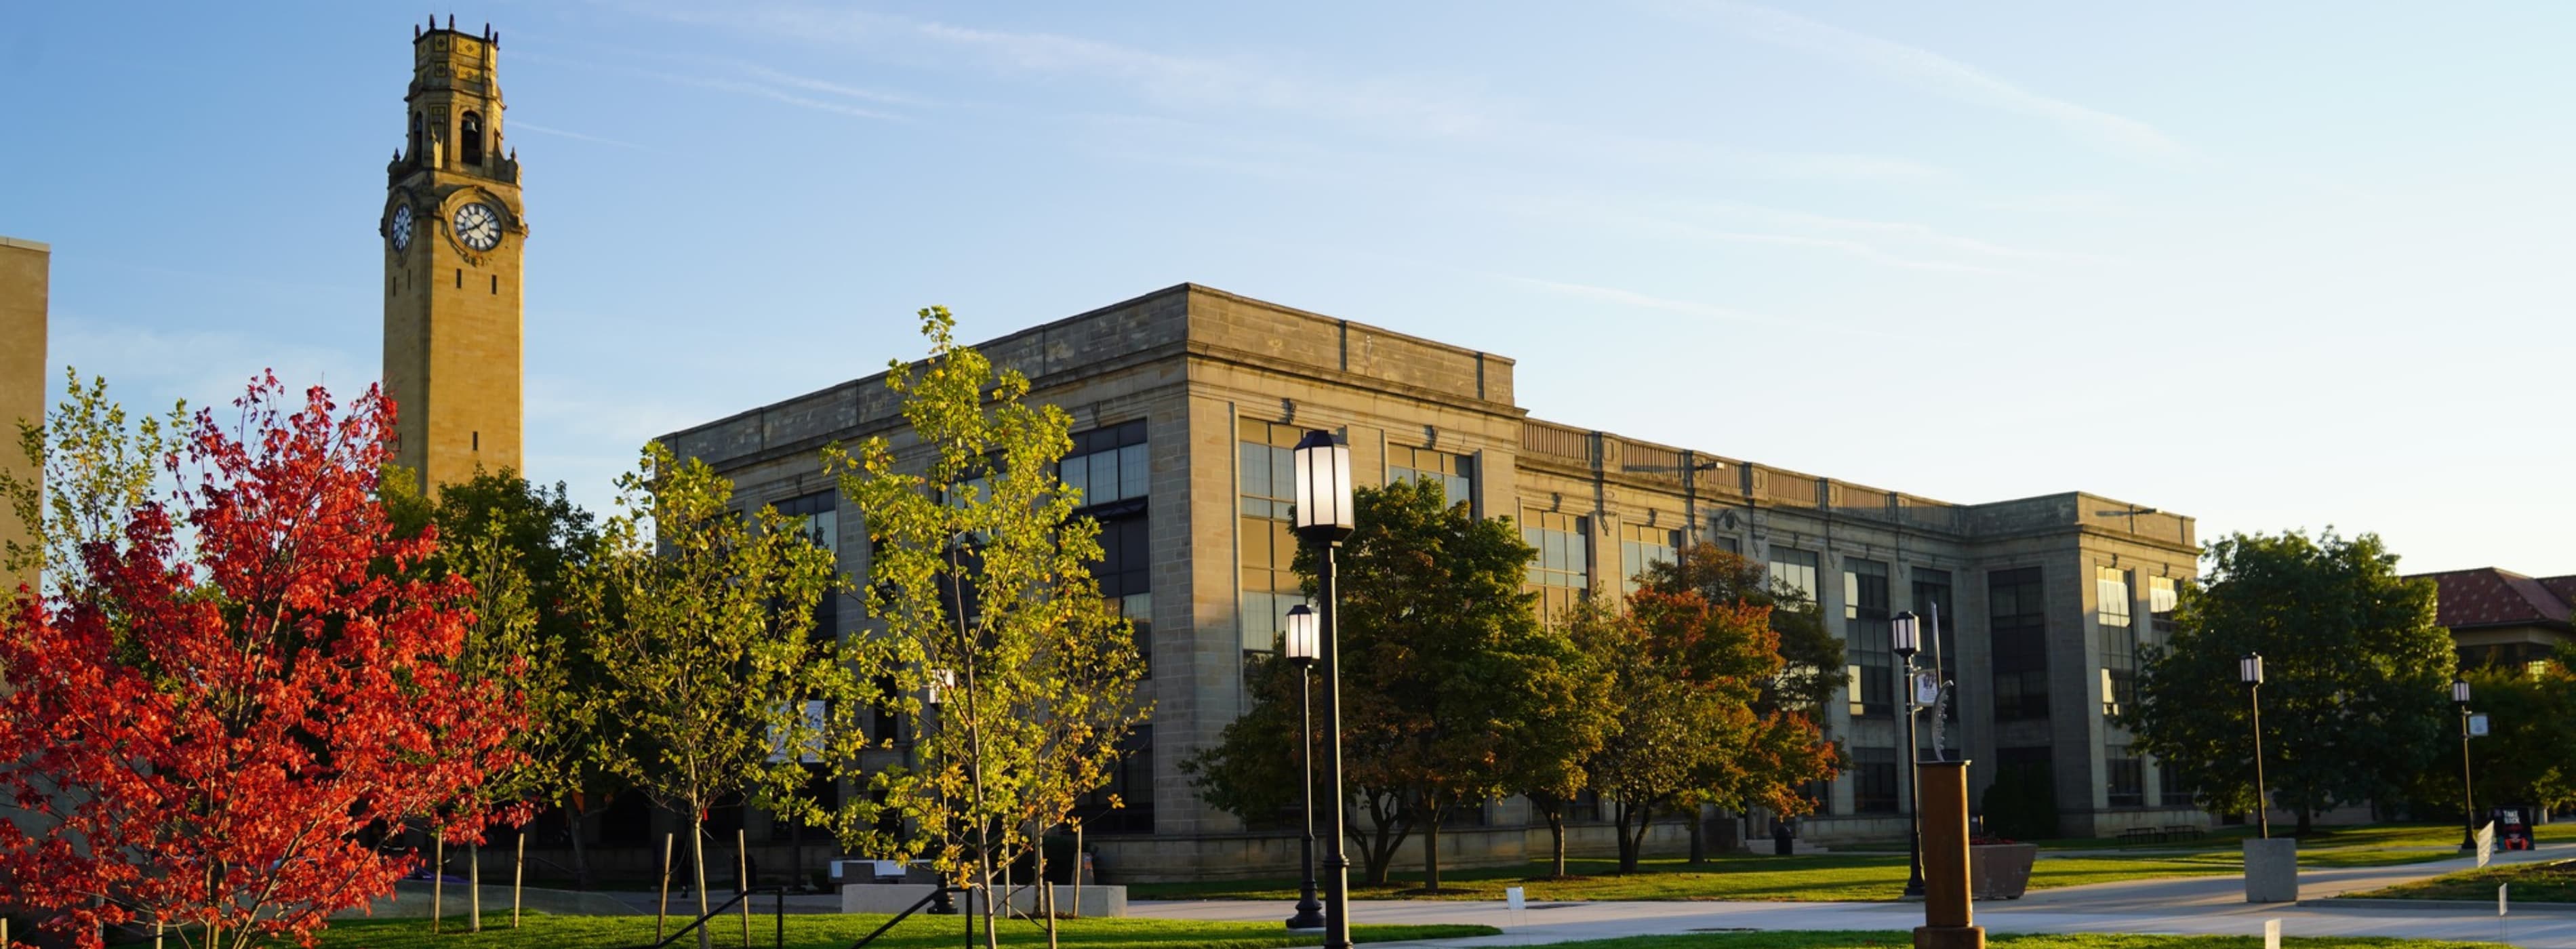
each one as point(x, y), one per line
point(882, 897)
point(2272, 870)
point(1087, 901)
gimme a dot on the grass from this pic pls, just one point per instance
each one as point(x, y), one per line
point(1827, 877)
point(2532, 882)
point(1898, 940)
point(810, 931)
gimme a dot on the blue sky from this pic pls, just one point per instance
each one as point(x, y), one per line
point(2279, 265)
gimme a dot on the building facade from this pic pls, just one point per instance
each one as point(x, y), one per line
point(26, 269)
point(453, 235)
point(1186, 401)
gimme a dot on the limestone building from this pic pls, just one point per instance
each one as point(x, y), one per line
point(1187, 399)
point(25, 274)
point(453, 232)
point(2499, 617)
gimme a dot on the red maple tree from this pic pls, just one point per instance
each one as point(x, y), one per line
point(223, 720)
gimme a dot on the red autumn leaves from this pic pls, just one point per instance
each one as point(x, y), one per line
point(225, 719)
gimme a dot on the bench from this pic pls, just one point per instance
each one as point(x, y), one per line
point(2183, 832)
point(2136, 834)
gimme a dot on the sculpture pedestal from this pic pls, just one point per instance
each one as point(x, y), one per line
point(2272, 870)
point(1948, 922)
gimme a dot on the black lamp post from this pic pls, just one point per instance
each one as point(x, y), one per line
point(2468, 799)
point(1322, 466)
point(940, 680)
point(1907, 639)
point(2249, 671)
point(1302, 645)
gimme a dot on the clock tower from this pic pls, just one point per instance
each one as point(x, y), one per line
point(452, 237)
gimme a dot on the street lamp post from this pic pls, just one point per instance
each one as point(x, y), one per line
point(1907, 639)
point(2249, 671)
point(1302, 646)
point(1322, 466)
point(2468, 797)
point(940, 681)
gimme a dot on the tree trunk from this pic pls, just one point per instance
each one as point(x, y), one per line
point(580, 857)
point(1698, 835)
point(2307, 822)
point(1431, 854)
point(518, 875)
point(474, 886)
point(698, 861)
point(1556, 840)
point(437, 880)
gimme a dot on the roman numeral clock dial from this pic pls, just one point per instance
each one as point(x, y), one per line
point(478, 226)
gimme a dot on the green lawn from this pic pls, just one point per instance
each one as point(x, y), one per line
point(1831, 877)
point(1898, 940)
point(838, 931)
point(2531, 882)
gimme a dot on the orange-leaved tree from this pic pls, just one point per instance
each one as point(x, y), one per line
point(217, 718)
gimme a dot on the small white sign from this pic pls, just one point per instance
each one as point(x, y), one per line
point(2486, 843)
point(2500, 898)
point(2271, 934)
point(2478, 725)
point(1512, 899)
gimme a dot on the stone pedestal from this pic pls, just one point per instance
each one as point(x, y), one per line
point(2272, 870)
point(1948, 922)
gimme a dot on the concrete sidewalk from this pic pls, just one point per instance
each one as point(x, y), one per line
point(2193, 905)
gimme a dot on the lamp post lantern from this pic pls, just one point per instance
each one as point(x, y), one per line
point(1302, 646)
point(1321, 467)
point(2468, 797)
point(2249, 670)
point(1906, 638)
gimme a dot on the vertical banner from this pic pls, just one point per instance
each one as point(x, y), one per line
point(2486, 843)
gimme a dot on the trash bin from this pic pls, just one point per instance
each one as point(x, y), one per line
point(1781, 837)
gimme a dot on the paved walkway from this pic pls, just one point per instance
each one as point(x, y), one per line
point(2191, 905)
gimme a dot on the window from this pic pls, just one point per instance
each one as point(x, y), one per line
point(2163, 594)
point(1454, 474)
point(1268, 546)
point(1107, 464)
point(1562, 572)
point(2119, 640)
point(1585, 808)
point(496, 284)
point(414, 153)
point(1865, 637)
point(815, 514)
point(2017, 627)
point(1126, 577)
point(1729, 544)
point(1874, 780)
point(885, 720)
point(2169, 787)
point(1794, 569)
point(469, 136)
point(1640, 548)
point(1131, 785)
point(2125, 776)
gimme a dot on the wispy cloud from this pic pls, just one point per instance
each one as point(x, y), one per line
point(1948, 76)
point(1736, 224)
point(1646, 301)
point(749, 80)
point(523, 125)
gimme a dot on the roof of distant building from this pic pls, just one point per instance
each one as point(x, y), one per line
point(2490, 596)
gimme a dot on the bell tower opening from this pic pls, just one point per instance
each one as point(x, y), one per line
point(469, 139)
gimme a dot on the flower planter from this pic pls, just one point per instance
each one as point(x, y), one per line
point(2000, 871)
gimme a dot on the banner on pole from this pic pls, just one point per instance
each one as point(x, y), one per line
point(2486, 843)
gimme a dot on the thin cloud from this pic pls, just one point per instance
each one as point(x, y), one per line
point(1647, 301)
point(1951, 77)
point(1595, 214)
point(758, 90)
point(767, 74)
point(523, 125)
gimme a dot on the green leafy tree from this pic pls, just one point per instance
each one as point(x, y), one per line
point(1691, 674)
point(519, 544)
point(87, 470)
point(1448, 679)
point(2355, 695)
point(980, 570)
point(2529, 754)
point(700, 620)
point(1572, 694)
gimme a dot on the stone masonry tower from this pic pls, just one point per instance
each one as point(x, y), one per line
point(453, 232)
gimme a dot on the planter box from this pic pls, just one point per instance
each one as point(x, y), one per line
point(2000, 871)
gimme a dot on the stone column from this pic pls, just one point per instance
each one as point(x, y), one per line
point(1947, 919)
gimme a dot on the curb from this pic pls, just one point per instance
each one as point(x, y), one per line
point(2481, 905)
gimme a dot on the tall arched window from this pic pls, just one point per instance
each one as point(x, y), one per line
point(469, 135)
point(414, 153)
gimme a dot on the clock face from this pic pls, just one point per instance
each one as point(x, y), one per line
point(478, 226)
point(400, 232)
